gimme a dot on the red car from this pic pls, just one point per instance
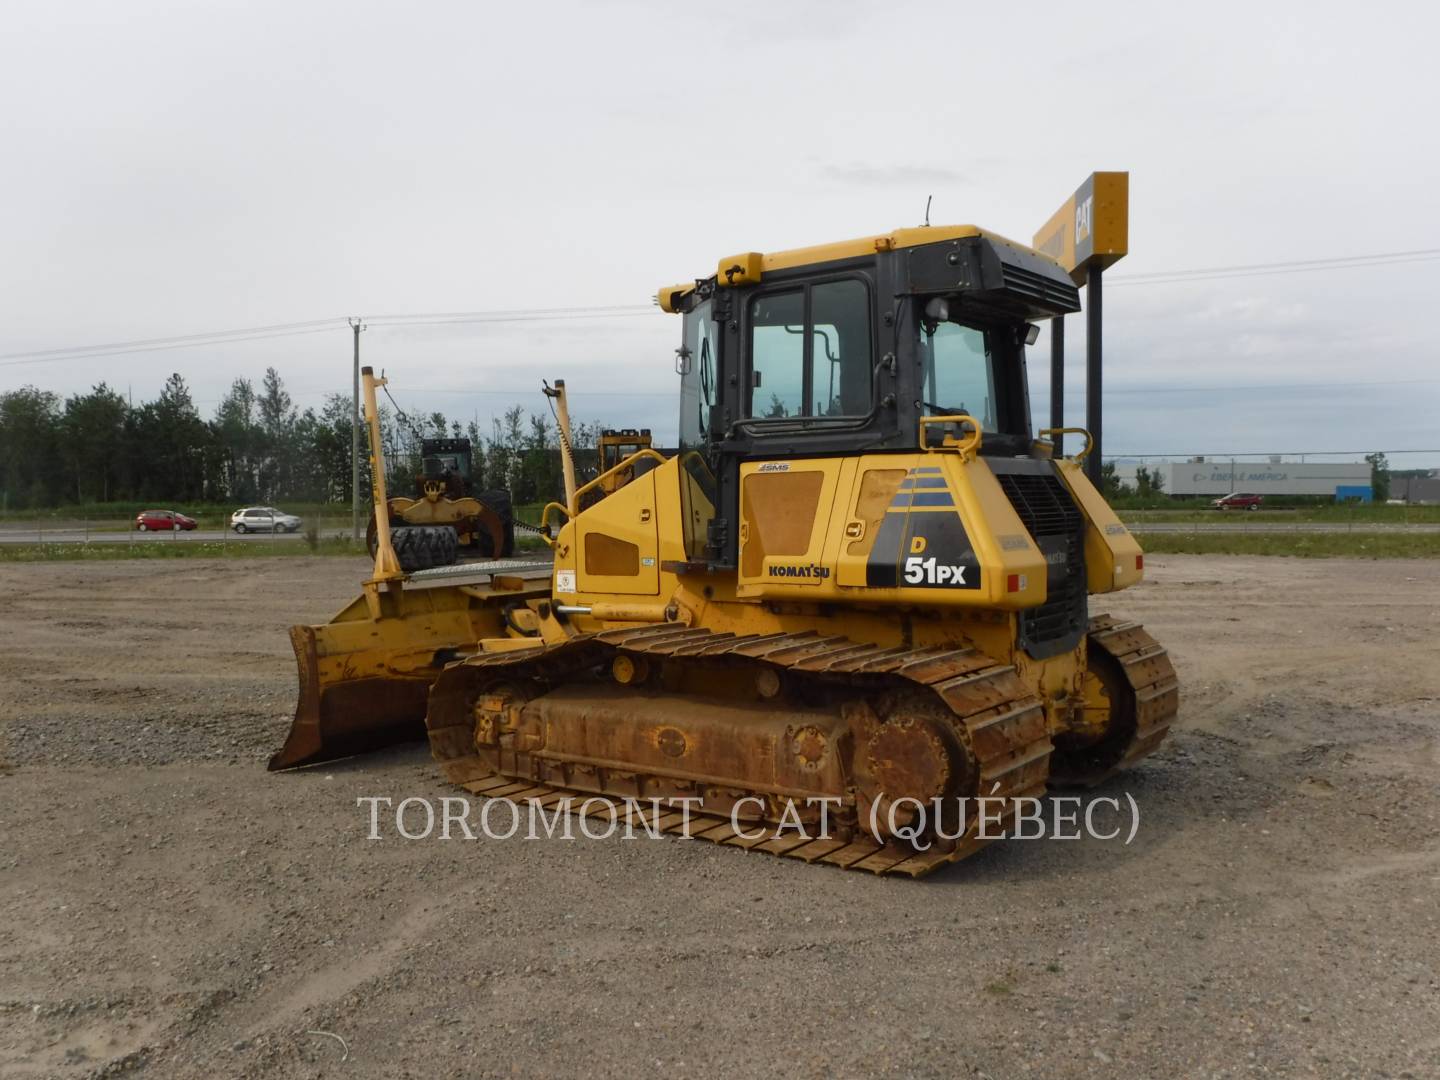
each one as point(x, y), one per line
point(163, 521)
point(1237, 501)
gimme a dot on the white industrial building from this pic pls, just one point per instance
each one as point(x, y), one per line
point(1221, 476)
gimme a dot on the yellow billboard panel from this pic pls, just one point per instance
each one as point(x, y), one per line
point(1092, 228)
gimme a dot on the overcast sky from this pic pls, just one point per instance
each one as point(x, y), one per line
point(179, 168)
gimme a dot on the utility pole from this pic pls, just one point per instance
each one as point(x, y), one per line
point(356, 326)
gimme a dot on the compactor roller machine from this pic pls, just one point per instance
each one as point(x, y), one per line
point(860, 587)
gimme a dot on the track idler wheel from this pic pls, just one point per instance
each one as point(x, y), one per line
point(1130, 700)
point(1097, 746)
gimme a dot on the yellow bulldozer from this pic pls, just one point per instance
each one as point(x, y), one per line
point(860, 587)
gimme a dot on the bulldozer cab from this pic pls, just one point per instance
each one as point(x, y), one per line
point(858, 347)
point(446, 456)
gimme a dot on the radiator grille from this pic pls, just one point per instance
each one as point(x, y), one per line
point(1043, 504)
point(1056, 525)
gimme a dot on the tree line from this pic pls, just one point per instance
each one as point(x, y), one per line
point(257, 448)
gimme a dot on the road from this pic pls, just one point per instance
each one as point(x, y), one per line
point(31, 534)
point(1282, 527)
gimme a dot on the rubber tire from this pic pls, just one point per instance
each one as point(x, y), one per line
point(143, 527)
point(420, 547)
point(241, 529)
point(1253, 506)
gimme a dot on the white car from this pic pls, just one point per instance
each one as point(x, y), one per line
point(263, 519)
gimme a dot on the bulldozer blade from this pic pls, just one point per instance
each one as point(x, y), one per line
point(350, 717)
point(364, 682)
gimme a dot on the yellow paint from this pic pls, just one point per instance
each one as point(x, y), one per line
point(627, 515)
point(827, 570)
point(740, 270)
point(670, 297)
point(864, 245)
point(1084, 451)
point(967, 447)
point(749, 268)
point(1111, 552)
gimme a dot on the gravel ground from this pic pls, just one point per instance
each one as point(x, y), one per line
point(170, 909)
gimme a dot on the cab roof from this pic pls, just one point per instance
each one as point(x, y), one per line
point(749, 267)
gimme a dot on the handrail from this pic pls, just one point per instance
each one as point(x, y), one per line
point(545, 521)
point(1089, 440)
point(387, 565)
point(545, 513)
point(647, 452)
point(966, 449)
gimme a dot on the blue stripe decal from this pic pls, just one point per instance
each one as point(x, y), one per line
point(932, 498)
point(914, 482)
point(926, 470)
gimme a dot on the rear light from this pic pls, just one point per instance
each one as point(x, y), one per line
point(1139, 562)
point(1016, 583)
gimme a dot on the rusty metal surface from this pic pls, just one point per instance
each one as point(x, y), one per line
point(963, 726)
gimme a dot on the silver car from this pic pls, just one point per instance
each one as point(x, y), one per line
point(263, 519)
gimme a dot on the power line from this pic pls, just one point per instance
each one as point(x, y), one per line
point(530, 393)
point(516, 318)
point(311, 326)
point(573, 312)
point(82, 352)
point(1344, 262)
point(1280, 265)
point(314, 326)
point(177, 338)
point(1229, 388)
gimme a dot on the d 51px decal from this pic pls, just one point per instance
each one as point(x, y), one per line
point(921, 543)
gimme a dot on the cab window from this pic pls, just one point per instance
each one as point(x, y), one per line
point(811, 351)
point(699, 388)
point(958, 373)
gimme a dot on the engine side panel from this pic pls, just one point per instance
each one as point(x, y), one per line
point(923, 529)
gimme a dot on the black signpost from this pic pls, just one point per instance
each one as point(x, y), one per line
point(1088, 233)
point(1092, 373)
point(1057, 379)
